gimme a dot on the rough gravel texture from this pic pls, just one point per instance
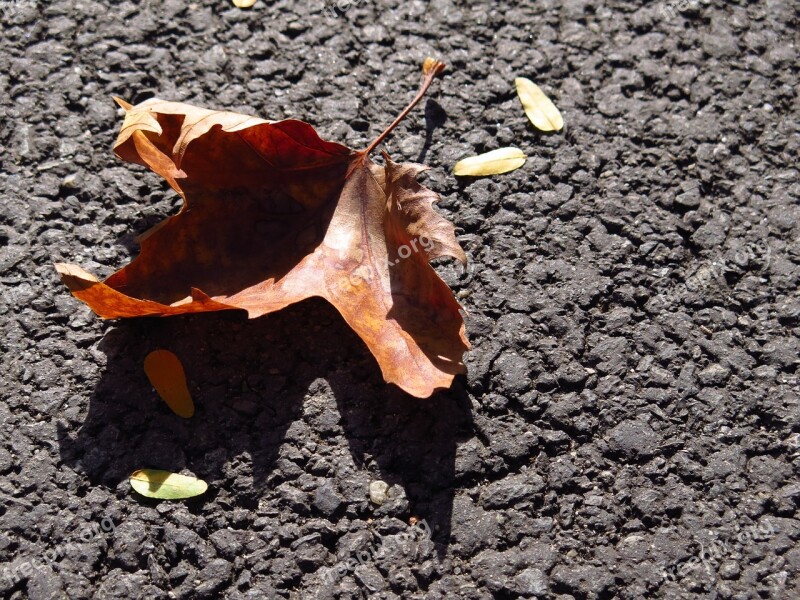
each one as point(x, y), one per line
point(629, 424)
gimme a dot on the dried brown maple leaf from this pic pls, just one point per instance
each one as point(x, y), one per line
point(273, 215)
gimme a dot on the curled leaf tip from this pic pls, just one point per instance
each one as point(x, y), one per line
point(124, 105)
point(433, 66)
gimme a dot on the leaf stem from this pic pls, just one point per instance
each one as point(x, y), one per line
point(430, 68)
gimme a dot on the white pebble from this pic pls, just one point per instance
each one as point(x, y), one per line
point(378, 492)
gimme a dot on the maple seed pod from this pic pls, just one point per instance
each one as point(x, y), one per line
point(165, 372)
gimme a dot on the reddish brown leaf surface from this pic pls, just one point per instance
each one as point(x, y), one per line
point(273, 215)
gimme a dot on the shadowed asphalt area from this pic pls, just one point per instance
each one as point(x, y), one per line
point(628, 427)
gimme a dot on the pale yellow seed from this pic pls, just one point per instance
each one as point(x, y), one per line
point(164, 485)
point(243, 3)
point(540, 109)
point(495, 162)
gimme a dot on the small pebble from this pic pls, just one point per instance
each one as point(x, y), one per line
point(70, 181)
point(378, 492)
